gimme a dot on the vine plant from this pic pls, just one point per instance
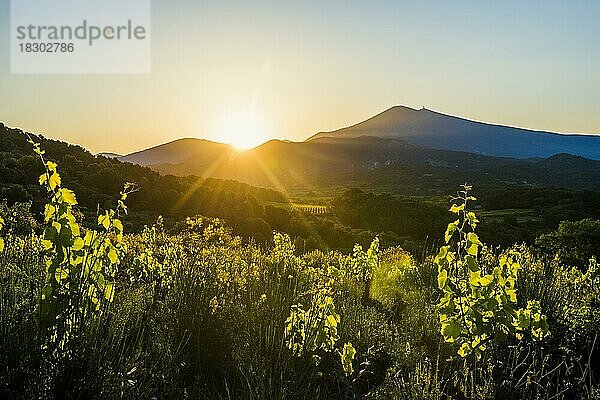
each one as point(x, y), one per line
point(80, 264)
point(479, 301)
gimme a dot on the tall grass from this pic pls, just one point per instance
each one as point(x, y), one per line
point(196, 313)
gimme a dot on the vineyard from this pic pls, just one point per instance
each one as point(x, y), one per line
point(195, 312)
point(314, 209)
point(309, 208)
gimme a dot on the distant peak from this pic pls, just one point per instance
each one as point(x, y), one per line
point(400, 107)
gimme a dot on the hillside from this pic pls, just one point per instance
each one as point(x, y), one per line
point(178, 151)
point(320, 173)
point(327, 164)
point(97, 180)
point(440, 131)
point(252, 212)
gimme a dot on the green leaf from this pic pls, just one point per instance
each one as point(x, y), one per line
point(486, 280)
point(54, 181)
point(442, 278)
point(118, 225)
point(109, 291)
point(451, 330)
point(456, 209)
point(473, 238)
point(471, 263)
point(112, 256)
point(472, 249)
point(68, 196)
point(77, 244)
point(104, 220)
point(450, 230)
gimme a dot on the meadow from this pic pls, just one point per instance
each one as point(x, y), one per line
point(194, 311)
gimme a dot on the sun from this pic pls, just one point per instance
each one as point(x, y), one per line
point(243, 130)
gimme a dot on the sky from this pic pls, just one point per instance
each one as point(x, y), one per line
point(294, 68)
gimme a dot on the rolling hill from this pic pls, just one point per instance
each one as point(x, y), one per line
point(328, 164)
point(178, 151)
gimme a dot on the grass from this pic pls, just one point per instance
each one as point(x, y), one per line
point(206, 319)
point(197, 313)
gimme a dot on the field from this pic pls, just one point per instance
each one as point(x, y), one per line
point(314, 209)
point(195, 312)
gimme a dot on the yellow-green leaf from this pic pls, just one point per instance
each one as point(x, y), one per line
point(68, 196)
point(512, 294)
point(109, 291)
point(486, 280)
point(118, 225)
point(112, 256)
point(347, 355)
point(49, 212)
point(61, 274)
point(474, 278)
point(74, 228)
point(54, 181)
point(43, 178)
point(51, 166)
point(464, 350)
point(473, 238)
point(57, 226)
point(104, 220)
point(456, 209)
point(450, 230)
point(77, 244)
point(442, 278)
point(331, 320)
point(472, 249)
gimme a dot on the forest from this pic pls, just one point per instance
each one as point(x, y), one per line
point(509, 214)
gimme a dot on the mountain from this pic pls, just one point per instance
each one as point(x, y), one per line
point(178, 151)
point(440, 131)
point(326, 165)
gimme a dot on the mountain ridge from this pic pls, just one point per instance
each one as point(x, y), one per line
point(434, 129)
point(365, 160)
point(169, 151)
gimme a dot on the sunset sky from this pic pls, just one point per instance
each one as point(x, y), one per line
point(293, 68)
